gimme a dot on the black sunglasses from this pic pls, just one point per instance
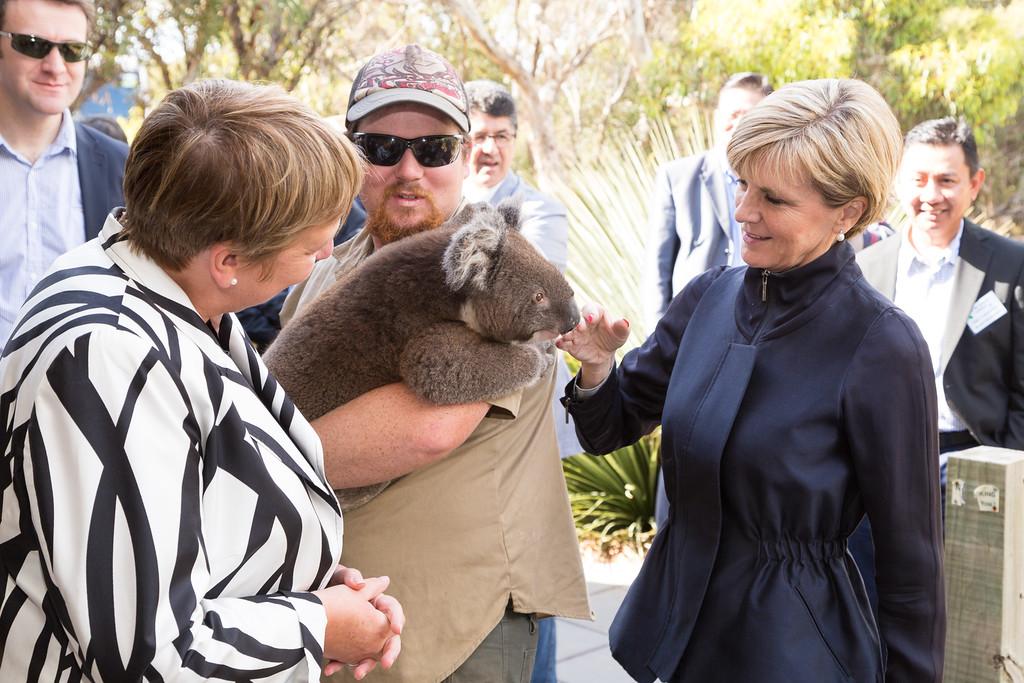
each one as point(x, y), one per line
point(430, 150)
point(37, 48)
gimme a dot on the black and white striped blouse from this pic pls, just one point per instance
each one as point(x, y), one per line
point(164, 504)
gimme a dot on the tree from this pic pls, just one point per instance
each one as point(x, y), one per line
point(929, 58)
point(542, 47)
point(583, 74)
point(282, 41)
point(108, 39)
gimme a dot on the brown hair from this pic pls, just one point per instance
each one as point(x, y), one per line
point(839, 134)
point(223, 161)
point(87, 6)
point(748, 80)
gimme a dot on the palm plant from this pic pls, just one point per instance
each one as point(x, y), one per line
point(607, 198)
point(612, 497)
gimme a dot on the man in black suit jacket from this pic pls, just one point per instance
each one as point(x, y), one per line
point(977, 336)
point(964, 287)
point(58, 180)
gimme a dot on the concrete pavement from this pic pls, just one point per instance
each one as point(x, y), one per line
point(583, 655)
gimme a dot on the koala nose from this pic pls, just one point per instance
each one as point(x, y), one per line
point(572, 316)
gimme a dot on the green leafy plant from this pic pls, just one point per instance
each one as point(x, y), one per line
point(612, 497)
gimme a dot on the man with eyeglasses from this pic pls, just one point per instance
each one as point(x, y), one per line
point(58, 179)
point(492, 113)
point(476, 533)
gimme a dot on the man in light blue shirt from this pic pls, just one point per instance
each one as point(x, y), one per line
point(57, 179)
point(491, 178)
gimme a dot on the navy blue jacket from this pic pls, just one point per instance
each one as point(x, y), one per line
point(101, 162)
point(783, 422)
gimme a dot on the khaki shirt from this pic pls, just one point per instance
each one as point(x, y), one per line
point(461, 537)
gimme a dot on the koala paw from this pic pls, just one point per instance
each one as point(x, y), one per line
point(549, 352)
point(462, 368)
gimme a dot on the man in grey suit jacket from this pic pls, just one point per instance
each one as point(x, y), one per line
point(691, 222)
point(963, 286)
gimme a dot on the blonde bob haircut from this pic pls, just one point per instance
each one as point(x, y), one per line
point(223, 161)
point(839, 135)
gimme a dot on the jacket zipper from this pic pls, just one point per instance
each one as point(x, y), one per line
point(764, 285)
point(764, 299)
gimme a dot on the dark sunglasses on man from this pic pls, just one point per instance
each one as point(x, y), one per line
point(430, 151)
point(37, 48)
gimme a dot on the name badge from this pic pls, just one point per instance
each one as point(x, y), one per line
point(984, 312)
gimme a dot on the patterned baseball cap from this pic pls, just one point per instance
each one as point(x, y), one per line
point(408, 74)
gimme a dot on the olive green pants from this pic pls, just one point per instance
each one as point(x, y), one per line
point(505, 656)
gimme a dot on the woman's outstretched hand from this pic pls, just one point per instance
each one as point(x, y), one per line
point(593, 343)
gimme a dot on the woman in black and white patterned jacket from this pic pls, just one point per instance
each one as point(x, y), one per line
point(165, 514)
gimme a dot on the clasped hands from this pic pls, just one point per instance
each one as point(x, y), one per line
point(364, 625)
point(593, 343)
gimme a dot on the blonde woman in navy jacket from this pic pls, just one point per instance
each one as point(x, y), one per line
point(793, 400)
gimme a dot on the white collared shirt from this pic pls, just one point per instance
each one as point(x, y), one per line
point(924, 290)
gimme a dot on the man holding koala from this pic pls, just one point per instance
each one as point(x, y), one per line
point(476, 535)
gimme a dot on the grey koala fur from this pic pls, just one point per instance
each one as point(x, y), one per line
point(462, 313)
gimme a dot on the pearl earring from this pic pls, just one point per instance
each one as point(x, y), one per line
point(234, 281)
point(840, 237)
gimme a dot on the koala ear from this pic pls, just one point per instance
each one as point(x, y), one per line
point(466, 214)
point(510, 209)
point(472, 254)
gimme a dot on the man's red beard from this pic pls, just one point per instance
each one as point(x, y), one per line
point(382, 226)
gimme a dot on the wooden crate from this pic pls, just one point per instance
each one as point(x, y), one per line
point(984, 562)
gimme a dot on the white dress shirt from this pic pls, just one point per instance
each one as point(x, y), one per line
point(924, 290)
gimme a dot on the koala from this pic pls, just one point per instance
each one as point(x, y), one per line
point(462, 313)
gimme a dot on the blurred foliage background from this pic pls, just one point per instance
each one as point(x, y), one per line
point(584, 73)
point(606, 92)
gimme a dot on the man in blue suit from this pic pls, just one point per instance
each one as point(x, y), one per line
point(58, 179)
point(691, 223)
point(692, 226)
